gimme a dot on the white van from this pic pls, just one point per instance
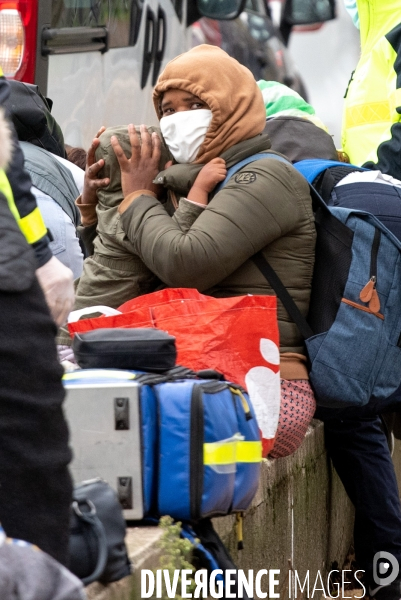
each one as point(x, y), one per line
point(99, 59)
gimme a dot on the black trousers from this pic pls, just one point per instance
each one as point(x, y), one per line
point(35, 485)
point(357, 445)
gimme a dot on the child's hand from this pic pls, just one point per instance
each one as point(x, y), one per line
point(91, 181)
point(211, 174)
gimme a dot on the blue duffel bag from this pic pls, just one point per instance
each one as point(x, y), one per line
point(209, 449)
point(169, 444)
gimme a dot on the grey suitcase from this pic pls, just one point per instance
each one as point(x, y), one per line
point(102, 408)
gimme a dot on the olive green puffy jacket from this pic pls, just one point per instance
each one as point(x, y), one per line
point(265, 206)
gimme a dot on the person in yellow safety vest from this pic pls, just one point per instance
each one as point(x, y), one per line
point(371, 132)
point(55, 279)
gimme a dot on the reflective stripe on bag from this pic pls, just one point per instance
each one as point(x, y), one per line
point(231, 452)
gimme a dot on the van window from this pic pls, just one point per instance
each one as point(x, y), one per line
point(115, 15)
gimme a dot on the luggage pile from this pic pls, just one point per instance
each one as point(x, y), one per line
point(149, 433)
point(169, 441)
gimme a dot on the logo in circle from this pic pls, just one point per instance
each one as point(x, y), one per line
point(385, 568)
point(245, 177)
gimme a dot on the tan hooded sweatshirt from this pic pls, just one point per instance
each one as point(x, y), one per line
point(227, 87)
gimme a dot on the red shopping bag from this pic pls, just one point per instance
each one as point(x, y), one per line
point(236, 336)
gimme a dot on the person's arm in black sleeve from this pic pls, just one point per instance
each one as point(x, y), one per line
point(20, 182)
point(31, 221)
point(55, 279)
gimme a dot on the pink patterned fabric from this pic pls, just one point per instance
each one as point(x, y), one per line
point(296, 412)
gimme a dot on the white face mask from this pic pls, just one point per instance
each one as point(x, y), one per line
point(184, 132)
point(352, 10)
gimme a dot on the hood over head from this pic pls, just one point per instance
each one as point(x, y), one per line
point(293, 126)
point(280, 100)
point(32, 118)
point(299, 139)
point(227, 87)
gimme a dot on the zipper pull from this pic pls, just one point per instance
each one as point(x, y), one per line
point(374, 303)
point(367, 291)
point(239, 522)
point(244, 402)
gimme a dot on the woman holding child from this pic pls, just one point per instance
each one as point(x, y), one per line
point(212, 116)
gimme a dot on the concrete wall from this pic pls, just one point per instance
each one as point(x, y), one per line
point(301, 516)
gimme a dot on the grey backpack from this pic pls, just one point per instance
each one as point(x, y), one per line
point(51, 177)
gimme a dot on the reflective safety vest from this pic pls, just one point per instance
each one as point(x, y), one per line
point(371, 134)
point(32, 225)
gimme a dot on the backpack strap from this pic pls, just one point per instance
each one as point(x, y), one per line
point(212, 553)
point(310, 168)
point(233, 170)
point(325, 183)
point(260, 261)
point(282, 293)
point(325, 174)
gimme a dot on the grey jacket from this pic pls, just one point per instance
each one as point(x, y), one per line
point(52, 178)
point(26, 573)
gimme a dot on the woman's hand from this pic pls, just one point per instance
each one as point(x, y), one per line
point(91, 182)
point(139, 171)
